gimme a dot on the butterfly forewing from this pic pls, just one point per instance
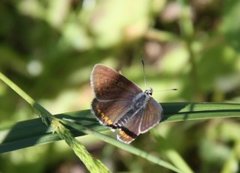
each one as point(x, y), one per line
point(110, 85)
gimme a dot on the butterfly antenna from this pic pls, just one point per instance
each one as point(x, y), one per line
point(172, 89)
point(144, 74)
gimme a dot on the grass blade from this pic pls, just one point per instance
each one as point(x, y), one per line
point(19, 136)
point(8, 141)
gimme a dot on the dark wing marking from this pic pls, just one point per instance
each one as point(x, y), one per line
point(110, 85)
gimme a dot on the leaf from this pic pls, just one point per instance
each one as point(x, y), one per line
point(34, 132)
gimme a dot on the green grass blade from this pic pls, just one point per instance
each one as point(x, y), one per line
point(93, 165)
point(199, 111)
point(15, 88)
point(19, 135)
point(177, 160)
point(33, 132)
point(8, 139)
point(126, 147)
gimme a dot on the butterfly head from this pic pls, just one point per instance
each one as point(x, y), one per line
point(149, 92)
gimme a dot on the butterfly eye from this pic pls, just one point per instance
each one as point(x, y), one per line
point(149, 92)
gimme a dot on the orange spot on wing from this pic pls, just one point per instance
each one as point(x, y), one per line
point(104, 118)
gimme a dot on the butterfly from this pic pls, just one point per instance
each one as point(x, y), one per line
point(120, 104)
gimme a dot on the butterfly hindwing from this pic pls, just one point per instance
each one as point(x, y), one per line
point(109, 112)
point(131, 129)
point(141, 122)
point(151, 116)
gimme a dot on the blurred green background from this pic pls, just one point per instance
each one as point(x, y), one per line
point(49, 48)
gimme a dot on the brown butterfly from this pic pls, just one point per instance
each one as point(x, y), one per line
point(121, 104)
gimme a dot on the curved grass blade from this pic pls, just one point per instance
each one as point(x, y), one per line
point(123, 146)
point(19, 136)
point(12, 139)
point(93, 165)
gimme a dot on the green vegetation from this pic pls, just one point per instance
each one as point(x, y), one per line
point(48, 49)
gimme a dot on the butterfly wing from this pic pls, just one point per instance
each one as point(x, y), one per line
point(131, 129)
point(141, 122)
point(114, 94)
point(109, 112)
point(152, 115)
point(110, 85)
